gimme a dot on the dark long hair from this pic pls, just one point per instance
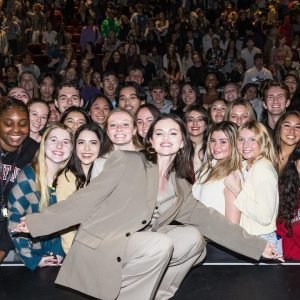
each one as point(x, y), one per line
point(74, 164)
point(183, 163)
point(289, 193)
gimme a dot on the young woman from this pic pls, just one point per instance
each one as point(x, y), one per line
point(250, 93)
point(217, 110)
point(188, 96)
point(222, 161)
point(287, 136)
point(173, 73)
point(197, 123)
point(100, 107)
point(239, 111)
point(129, 223)
point(121, 134)
point(292, 81)
point(289, 206)
point(211, 83)
point(258, 199)
point(174, 94)
point(74, 117)
point(33, 192)
point(16, 151)
point(144, 117)
point(88, 140)
point(39, 112)
point(186, 59)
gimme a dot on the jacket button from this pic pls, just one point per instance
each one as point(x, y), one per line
point(144, 222)
point(128, 234)
point(119, 259)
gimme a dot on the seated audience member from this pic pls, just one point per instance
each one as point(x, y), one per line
point(38, 116)
point(11, 77)
point(258, 199)
point(88, 142)
point(110, 83)
point(15, 153)
point(94, 88)
point(32, 193)
point(136, 74)
point(288, 220)
point(158, 92)
point(222, 161)
point(120, 133)
point(144, 116)
point(286, 136)
point(250, 93)
point(68, 95)
point(197, 124)
point(130, 96)
point(231, 92)
point(26, 65)
point(173, 95)
point(85, 73)
point(74, 117)
point(149, 68)
point(258, 73)
point(196, 73)
point(248, 53)
point(238, 72)
point(211, 83)
point(239, 111)
point(54, 114)
point(19, 93)
point(173, 73)
point(292, 82)
point(115, 62)
point(217, 110)
point(188, 96)
point(99, 108)
point(276, 100)
point(47, 85)
point(29, 83)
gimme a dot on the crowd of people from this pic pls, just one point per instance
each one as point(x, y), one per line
point(163, 122)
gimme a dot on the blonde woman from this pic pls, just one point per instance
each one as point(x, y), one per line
point(239, 111)
point(222, 160)
point(258, 199)
point(33, 193)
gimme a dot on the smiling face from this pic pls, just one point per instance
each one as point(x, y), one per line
point(217, 111)
point(291, 82)
point(20, 94)
point(239, 115)
point(120, 129)
point(58, 146)
point(38, 116)
point(219, 145)
point(247, 145)
point(167, 138)
point(251, 93)
point(290, 130)
point(195, 123)
point(27, 82)
point(14, 128)
point(276, 101)
point(144, 119)
point(74, 120)
point(188, 95)
point(99, 111)
point(128, 100)
point(87, 147)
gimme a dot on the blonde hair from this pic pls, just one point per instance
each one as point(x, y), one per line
point(263, 139)
point(243, 102)
point(226, 165)
point(40, 167)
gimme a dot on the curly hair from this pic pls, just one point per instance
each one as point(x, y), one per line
point(289, 193)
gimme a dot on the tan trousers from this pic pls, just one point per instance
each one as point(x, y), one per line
point(155, 263)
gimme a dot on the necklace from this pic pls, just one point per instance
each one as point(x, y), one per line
point(2, 154)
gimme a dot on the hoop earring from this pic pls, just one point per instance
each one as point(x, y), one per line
point(150, 150)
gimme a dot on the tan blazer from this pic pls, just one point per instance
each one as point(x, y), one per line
point(117, 203)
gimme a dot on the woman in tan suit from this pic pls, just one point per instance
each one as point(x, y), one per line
point(140, 226)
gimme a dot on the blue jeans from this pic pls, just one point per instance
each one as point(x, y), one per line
point(272, 237)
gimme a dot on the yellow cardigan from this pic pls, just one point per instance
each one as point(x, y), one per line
point(66, 186)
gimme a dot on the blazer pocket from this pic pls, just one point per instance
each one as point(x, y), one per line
point(88, 239)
